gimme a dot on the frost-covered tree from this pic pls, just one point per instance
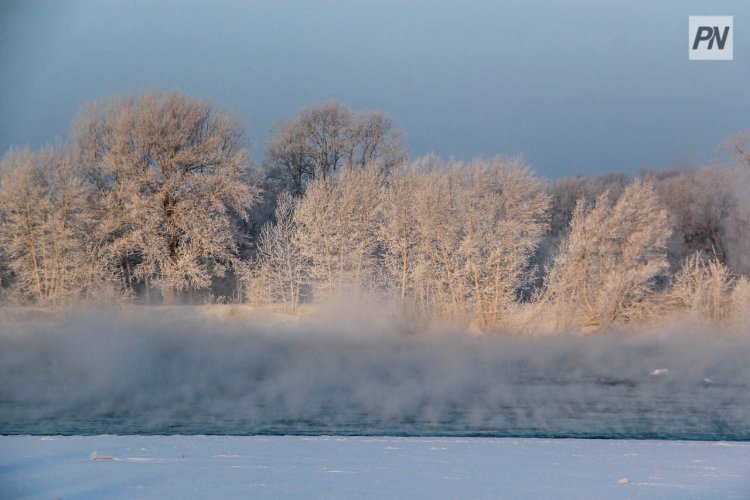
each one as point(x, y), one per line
point(420, 237)
point(399, 232)
point(171, 179)
point(607, 267)
point(374, 142)
point(504, 209)
point(709, 210)
point(45, 223)
point(279, 271)
point(737, 147)
point(459, 238)
point(288, 158)
point(564, 195)
point(326, 138)
point(438, 273)
point(566, 192)
point(338, 220)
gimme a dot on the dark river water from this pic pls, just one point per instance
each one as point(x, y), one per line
point(85, 376)
point(609, 409)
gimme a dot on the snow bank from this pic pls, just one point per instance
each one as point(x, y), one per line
point(340, 467)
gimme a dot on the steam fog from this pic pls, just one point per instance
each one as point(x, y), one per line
point(225, 370)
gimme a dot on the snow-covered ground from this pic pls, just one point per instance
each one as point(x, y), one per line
point(368, 467)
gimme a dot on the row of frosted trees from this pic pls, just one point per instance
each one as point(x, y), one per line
point(155, 198)
point(157, 194)
point(438, 237)
point(459, 241)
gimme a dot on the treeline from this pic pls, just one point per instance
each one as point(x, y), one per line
point(154, 199)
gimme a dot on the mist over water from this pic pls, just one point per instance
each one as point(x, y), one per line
point(206, 371)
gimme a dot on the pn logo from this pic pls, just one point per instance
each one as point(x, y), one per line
point(711, 38)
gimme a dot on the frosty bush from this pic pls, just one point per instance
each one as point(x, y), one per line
point(702, 287)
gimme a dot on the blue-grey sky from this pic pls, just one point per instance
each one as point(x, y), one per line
point(575, 87)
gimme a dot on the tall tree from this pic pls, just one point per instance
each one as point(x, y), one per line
point(737, 146)
point(607, 267)
point(171, 175)
point(326, 138)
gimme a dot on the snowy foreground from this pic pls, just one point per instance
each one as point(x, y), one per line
point(383, 467)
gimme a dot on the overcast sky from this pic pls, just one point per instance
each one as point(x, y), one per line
point(575, 87)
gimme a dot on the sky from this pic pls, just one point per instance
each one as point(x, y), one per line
point(573, 87)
